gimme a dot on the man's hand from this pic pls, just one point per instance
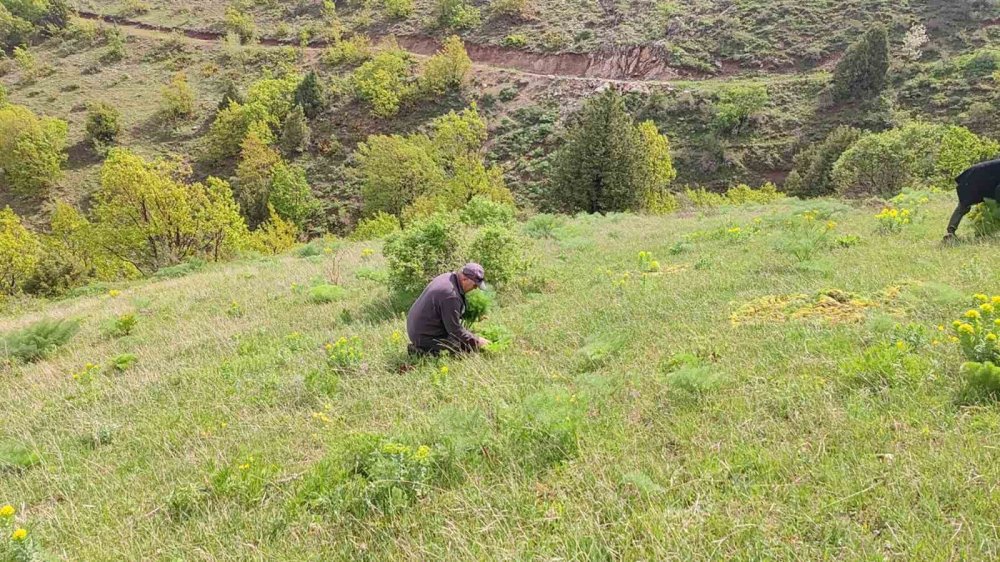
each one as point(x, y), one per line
point(482, 342)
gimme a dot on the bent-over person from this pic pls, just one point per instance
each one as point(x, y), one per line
point(434, 322)
point(979, 182)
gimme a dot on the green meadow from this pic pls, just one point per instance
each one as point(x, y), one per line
point(762, 382)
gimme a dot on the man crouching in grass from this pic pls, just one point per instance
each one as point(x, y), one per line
point(434, 322)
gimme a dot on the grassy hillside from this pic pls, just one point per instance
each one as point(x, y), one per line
point(704, 411)
point(697, 34)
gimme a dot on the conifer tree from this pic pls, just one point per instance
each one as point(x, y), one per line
point(309, 95)
point(863, 72)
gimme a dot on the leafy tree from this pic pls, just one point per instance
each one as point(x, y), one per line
point(398, 8)
point(448, 68)
point(32, 150)
point(349, 52)
point(253, 178)
point(150, 220)
point(959, 149)
point(309, 95)
point(421, 251)
point(863, 70)
point(267, 104)
point(178, 98)
point(457, 14)
point(232, 94)
point(501, 253)
point(658, 156)
point(737, 105)
point(383, 81)
point(395, 170)
point(103, 125)
point(812, 168)
point(883, 164)
point(604, 164)
point(14, 30)
point(295, 132)
point(241, 23)
point(19, 250)
point(455, 134)
point(290, 196)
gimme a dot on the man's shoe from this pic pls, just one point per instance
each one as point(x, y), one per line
point(949, 238)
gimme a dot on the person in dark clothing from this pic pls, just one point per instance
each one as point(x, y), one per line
point(979, 182)
point(434, 322)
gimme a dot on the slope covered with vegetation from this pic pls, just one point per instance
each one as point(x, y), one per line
point(779, 381)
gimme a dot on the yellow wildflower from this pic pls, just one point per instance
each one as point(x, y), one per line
point(901, 345)
point(7, 511)
point(830, 225)
point(986, 307)
point(995, 300)
point(991, 336)
point(19, 534)
point(245, 466)
point(953, 339)
point(940, 327)
point(980, 297)
point(444, 369)
point(114, 293)
point(422, 453)
point(966, 329)
point(974, 314)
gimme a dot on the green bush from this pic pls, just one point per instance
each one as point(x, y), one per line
point(326, 293)
point(376, 227)
point(509, 8)
point(367, 473)
point(398, 8)
point(737, 105)
point(457, 14)
point(863, 70)
point(501, 252)
point(982, 382)
point(178, 99)
point(383, 81)
point(543, 225)
point(500, 338)
point(309, 95)
point(349, 52)
point(121, 326)
point(423, 250)
point(241, 23)
point(482, 211)
point(812, 168)
point(448, 68)
point(19, 253)
point(985, 218)
point(123, 362)
point(32, 149)
point(745, 195)
point(295, 132)
point(103, 125)
point(38, 340)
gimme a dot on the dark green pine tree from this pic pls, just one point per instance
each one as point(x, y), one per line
point(604, 164)
point(863, 71)
point(309, 95)
point(232, 94)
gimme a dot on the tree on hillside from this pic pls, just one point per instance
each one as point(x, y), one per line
point(295, 132)
point(232, 94)
point(149, 219)
point(32, 149)
point(737, 105)
point(604, 164)
point(103, 125)
point(253, 178)
point(178, 98)
point(448, 68)
point(812, 168)
point(863, 71)
point(18, 252)
point(309, 95)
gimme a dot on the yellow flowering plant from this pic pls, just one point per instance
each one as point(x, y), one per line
point(344, 356)
point(891, 220)
point(978, 330)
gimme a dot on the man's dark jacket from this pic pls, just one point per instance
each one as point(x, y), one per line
point(434, 322)
point(978, 182)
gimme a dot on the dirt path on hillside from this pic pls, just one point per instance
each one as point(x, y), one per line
point(632, 66)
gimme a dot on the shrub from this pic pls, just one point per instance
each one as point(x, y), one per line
point(891, 220)
point(743, 194)
point(482, 211)
point(982, 382)
point(421, 251)
point(382, 81)
point(290, 196)
point(457, 14)
point(398, 8)
point(240, 23)
point(737, 105)
point(882, 164)
point(509, 8)
point(116, 46)
point(326, 293)
point(985, 218)
point(231, 95)
point(309, 95)
point(543, 225)
point(812, 168)
point(19, 253)
point(604, 165)
point(959, 149)
point(371, 472)
point(123, 362)
point(500, 338)
point(178, 98)
point(38, 340)
point(268, 102)
point(501, 252)
point(32, 149)
point(863, 70)
point(350, 52)
point(146, 218)
point(295, 132)
point(376, 227)
point(103, 125)
point(122, 326)
point(516, 41)
point(448, 68)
